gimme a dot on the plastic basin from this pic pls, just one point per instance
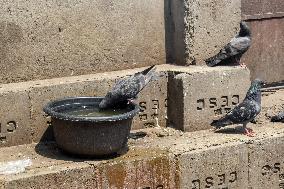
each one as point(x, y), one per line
point(90, 136)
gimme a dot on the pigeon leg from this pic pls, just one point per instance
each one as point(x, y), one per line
point(238, 60)
point(248, 132)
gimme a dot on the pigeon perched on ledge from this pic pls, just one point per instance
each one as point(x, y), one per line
point(234, 50)
point(127, 89)
point(244, 112)
point(278, 118)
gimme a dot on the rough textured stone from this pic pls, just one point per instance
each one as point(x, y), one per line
point(15, 117)
point(265, 56)
point(221, 167)
point(153, 104)
point(198, 95)
point(266, 163)
point(46, 39)
point(138, 168)
point(201, 28)
point(163, 158)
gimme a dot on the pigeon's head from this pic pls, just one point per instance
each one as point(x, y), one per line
point(254, 90)
point(107, 101)
point(244, 29)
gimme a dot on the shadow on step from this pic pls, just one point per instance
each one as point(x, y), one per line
point(236, 130)
point(51, 150)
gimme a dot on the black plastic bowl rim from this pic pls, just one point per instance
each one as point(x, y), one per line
point(49, 109)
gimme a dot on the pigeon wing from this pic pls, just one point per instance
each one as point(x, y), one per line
point(129, 88)
point(237, 46)
point(242, 113)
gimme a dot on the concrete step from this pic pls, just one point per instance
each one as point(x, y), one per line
point(23, 121)
point(157, 158)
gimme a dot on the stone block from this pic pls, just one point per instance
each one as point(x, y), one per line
point(202, 28)
point(48, 39)
point(197, 95)
point(15, 116)
point(153, 104)
point(220, 167)
point(138, 168)
point(266, 163)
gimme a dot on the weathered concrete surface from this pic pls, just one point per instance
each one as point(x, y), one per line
point(138, 168)
point(197, 95)
point(258, 9)
point(220, 167)
point(15, 117)
point(266, 163)
point(46, 39)
point(25, 102)
point(265, 56)
point(200, 28)
point(161, 158)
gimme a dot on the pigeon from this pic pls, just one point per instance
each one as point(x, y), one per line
point(244, 112)
point(278, 118)
point(234, 50)
point(127, 89)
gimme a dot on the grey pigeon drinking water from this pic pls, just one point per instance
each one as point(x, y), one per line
point(128, 88)
point(244, 112)
point(234, 50)
point(279, 117)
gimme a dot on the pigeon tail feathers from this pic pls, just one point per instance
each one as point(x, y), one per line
point(144, 72)
point(221, 122)
point(213, 61)
point(279, 117)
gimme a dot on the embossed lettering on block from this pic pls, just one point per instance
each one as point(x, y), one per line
point(150, 111)
point(202, 94)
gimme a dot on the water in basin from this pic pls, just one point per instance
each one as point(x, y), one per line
point(91, 111)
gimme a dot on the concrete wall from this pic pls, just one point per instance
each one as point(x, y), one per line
point(46, 39)
point(265, 56)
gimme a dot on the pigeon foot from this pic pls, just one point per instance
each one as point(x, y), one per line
point(249, 132)
point(243, 65)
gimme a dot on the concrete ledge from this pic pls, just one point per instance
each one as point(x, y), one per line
point(198, 95)
point(164, 158)
point(139, 168)
point(30, 97)
point(26, 100)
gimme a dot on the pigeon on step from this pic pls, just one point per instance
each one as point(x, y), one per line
point(233, 51)
point(244, 112)
point(278, 118)
point(127, 89)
